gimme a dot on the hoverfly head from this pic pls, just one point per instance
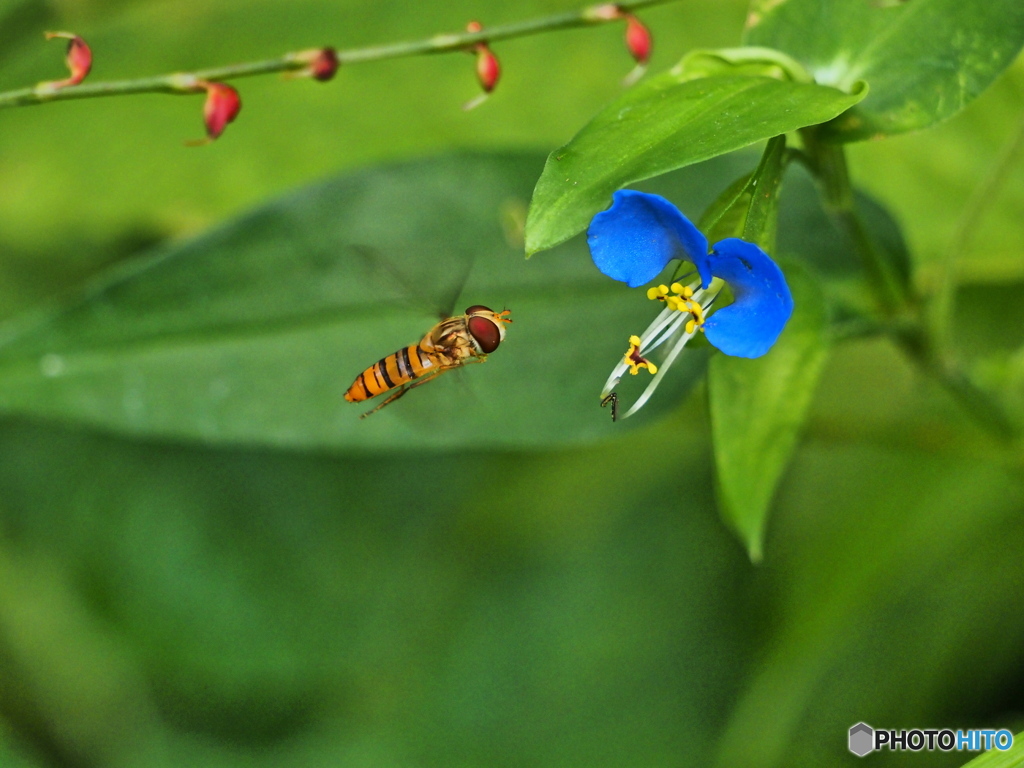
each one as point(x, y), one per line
point(486, 326)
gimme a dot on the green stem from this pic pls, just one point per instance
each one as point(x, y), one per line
point(459, 41)
point(903, 313)
point(828, 164)
point(976, 401)
point(943, 304)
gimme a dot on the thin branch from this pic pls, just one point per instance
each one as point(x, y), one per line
point(178, 83)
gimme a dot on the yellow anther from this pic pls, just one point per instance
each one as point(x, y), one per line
point(663, 290)
point(687, 292)
point(672, 302)
point(652, 293)
point(677, 288)
point(691, 326)
point(698, 311)
point(635, 360)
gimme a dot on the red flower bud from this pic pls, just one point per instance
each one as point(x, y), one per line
point(321, 63)
point(325, 65)
point(222, 106)
point(638, 40)
point(488, 70)
point(638, 36)
point(79, 60)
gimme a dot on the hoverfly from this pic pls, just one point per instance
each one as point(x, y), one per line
point(452, 343)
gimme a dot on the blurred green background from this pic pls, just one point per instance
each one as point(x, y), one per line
point(171, 603)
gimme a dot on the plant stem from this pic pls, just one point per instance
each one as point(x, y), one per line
point(943, 303)
point(905, 321)
point(976, 401)
point(918, 343)
point(828, 164)
point(446, 43)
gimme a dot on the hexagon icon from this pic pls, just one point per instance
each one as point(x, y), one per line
point(862, 739)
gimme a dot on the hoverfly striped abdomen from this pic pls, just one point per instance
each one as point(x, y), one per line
point(389, 372)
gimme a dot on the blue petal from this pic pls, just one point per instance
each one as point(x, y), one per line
point(750, 325)
point(634, 239)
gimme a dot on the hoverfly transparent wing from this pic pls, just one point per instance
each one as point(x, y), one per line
point(435, 292)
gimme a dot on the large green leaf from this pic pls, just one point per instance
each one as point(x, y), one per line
point(758, 407)
point(924, 60)
point(668, 122)
point(997, 758)
point(403, 610)
point(252, 334)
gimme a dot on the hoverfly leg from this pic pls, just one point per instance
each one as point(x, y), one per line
point(430, 377)
point(613, 399)
point(387, 401)
point(402, 390)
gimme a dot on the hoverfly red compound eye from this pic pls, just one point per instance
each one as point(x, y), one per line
point(478, 308)
point(486, 333)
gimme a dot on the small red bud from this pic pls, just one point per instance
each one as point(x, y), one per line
point(325, 65)
point(79, 60)
point(488, 70)
point(638, 40)
point(320, 63)
point(222, 106)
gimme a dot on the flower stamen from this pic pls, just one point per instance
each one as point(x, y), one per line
point(682, 301)
point(635, 360)
point(683, 316)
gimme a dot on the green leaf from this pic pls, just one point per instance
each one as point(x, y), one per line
point(252, 334)
point(749, 60)
point(725, 216)
point(925, 60)
point(996, 758)
point(668, 122)
point(761, 222)
point(758, 407)
point(437, 606)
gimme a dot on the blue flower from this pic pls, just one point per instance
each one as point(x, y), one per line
point(639, 235)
